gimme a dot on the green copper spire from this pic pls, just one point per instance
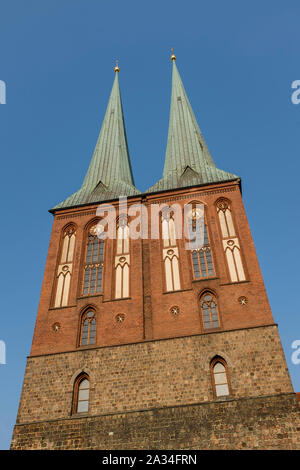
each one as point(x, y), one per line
point(187, 161)
point(109, 174)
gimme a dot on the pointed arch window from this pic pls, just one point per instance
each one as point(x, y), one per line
point(230, 241)
point(210, 316)
point(81, 394)
point(220, 377)
point(94, 261)
point(170, 252)
point(64, 271)
point(201, 255)
point(122, 260)
point(88, 328)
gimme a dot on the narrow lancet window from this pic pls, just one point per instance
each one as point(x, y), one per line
point(201, 255)
point(81, 394)
point(64, 271)
point(209, 310)
point(220, 380)
point(88, 328)
point(94, 262)
point(170, 252)
point(122, 260)
point(230, 241)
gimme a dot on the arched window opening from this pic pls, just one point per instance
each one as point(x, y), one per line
point(201, 255)
point(81, 394)
point(64, 271)
point(122, 260)
point(88, 328)
point(220, 379)
point(210, 315)
point(230, 241)
point(94, 261)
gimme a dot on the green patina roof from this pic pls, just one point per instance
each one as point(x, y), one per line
point(188, 161)
point(109, 175)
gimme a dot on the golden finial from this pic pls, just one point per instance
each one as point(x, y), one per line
point(173, 56)
point(117, 68)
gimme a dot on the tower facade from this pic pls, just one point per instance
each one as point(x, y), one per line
point(153, 342)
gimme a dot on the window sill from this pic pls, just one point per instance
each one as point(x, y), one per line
point(234, 283)
point(87, 296)
point(87, 346)
point(65, 306)
point(224, 398)
point(176, 291)
point(79, 415)
point(205, 279)
point(212, 330)
point(117, 300)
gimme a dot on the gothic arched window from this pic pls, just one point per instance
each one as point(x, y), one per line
point(209, 310)
point(122, 260)
point(81, 394)
point(170, 252)
point(64, 271)
point(220, 377)
point(88, 328)
point(200, 250)
point(94, 257)
point(230, 241)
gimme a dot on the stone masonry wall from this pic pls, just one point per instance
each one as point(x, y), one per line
point(251, 423)
point(147, 375)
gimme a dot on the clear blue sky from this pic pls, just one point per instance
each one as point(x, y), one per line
point(237, 60)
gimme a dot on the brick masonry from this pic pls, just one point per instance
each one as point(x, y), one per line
point(150, 382)
point(147, 309)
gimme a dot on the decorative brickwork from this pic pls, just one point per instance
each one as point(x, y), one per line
point(148, 303)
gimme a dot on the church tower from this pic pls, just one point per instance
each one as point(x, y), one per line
point(153, 342)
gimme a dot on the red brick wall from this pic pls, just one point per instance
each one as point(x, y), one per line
point(148, 308)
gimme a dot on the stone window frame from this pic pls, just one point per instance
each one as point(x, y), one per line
point(98, 265)
point(170, 249)
point(64, 266)
point(213, 362)
point(202, 249)
point(122, 265)
point(215, 297)
point(82, 376)
point(83, 317)
point(231, 242)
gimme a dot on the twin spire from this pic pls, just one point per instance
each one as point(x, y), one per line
point(187, 161)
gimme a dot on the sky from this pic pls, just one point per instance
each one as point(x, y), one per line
point(237, 61)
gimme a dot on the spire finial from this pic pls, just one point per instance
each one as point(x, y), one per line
point(173, 56)
point(117, 68)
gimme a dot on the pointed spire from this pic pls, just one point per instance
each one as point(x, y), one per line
point(187, 161)
point(109, 174)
